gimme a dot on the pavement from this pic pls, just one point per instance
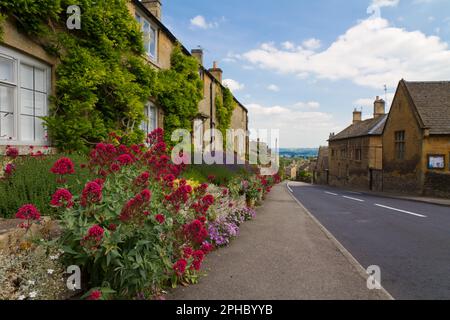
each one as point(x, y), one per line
point(284, 254)
point(408, 240)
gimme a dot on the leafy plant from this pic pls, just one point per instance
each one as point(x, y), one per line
point(32, 182)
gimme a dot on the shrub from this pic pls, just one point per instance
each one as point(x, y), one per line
point(129, 227)
point(32, 182)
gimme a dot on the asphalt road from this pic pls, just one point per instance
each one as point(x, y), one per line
point(409, 241)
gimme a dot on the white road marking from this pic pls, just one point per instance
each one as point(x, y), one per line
point(350, 198)
point(289, 188)
point(403, 211)
point(353, 192)
point(333, 194)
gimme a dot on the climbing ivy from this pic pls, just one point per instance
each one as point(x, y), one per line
point(103, 80)
point(224, 110)
point(179, 90)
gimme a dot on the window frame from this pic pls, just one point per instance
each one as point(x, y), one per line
point(142, 20)
point(400, 140)
point(20, 59)
point(146, 122)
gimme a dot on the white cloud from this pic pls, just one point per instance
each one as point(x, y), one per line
point(376, 5)
point(297, 128)
point(233, 85)
point(288, 45)
point(201, 23)
point(364, 102)
point(312, 44)
point(371, 53)
point(273, 87)
point(308, 105)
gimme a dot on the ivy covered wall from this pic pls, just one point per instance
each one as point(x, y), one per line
point(103, 79)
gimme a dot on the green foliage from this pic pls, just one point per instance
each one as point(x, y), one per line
point(33, 183)
point(224, 110)
point(222, 175)
point(179, 91)
point(103, 81)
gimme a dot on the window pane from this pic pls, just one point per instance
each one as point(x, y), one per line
point(40, 130)
point(147, 36)
point(6, 70)
point(40, 80)
point(152, 119)
point(6, 99)
point(26, 101)
point(6, 125)
point(26, 76)
point(26, 128)
point(40, 104)
point(152, 42)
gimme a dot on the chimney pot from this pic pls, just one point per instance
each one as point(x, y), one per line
point(198, 54)
point(379, 108)
point(154, 6)
point(216, 72)
point(357, 116)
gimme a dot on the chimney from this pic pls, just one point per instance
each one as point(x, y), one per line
point(198, 54)
point(154, 6)
point(216, 72)
point(379, 108)
point(357, 116)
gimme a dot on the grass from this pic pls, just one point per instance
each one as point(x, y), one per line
point(33, 183)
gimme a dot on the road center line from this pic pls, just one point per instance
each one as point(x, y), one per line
point(403, 211)
point(350, 198)
point(333, 194)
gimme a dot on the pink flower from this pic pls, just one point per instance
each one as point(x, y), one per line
point(12, 152)
point(9, 169)
point(180, 267)
point(96, 232)
point(187, 252)
point(207, 247)
point(95, 295)
point(28, 212)
point(63, 166)
point(62, 198)
point(114, 167)
point(160, 218)
point(125, 159)
point(93, 238)
point(92, 193)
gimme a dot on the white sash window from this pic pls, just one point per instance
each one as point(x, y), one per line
point(151, 118)
point(24, 90)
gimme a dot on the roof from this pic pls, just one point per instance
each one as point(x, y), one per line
point(432, 101)
point(370, 127)
point(183, 48)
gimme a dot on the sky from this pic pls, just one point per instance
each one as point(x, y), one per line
point(302, 67)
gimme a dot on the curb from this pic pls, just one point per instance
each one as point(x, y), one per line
point(362, 272)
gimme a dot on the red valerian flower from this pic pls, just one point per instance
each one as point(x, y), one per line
point(93, 238)
point(142, 180)
point(180, 267)
point(95, 295)
point(211, 178)
point(125, 159)
point(28, 212)
point(12, 152)
point(196, 231)
point(62, 198)
point(187, 252)
point(160, 218)
point(112, 227)
point(207, 247)
point(198, 259)
point(114, 167)
point(9, 169)
point(134, 208)
point(63, 166)
point(92, 193)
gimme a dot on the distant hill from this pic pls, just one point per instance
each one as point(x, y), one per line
point(299, 152)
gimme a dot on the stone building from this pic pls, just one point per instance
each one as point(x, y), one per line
point(355, 154)
point(27, 79)
point(321, 167)
point(416, 140)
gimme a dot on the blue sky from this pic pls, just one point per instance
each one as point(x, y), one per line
point(303, 66)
